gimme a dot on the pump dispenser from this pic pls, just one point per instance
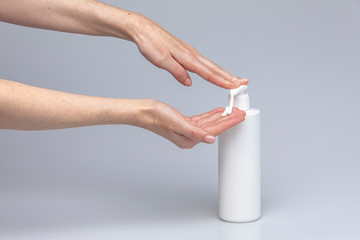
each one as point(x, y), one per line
point(239, 163)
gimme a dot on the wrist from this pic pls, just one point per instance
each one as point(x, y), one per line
point(145, 113)
point(116, 22)
point(135, 112)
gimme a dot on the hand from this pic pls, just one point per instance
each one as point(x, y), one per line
point(24, 107)
point(177, 57)
point(184, 131)
point(96, 18)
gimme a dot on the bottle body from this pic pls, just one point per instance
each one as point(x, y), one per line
point(239, 170)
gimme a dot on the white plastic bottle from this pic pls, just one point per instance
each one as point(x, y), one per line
point(239, 163)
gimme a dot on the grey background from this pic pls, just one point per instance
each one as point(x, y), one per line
point(120, 182)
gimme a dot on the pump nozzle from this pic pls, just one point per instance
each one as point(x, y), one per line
point(232, 94)
point(238, 90)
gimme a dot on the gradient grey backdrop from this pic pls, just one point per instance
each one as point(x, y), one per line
point(120, 182)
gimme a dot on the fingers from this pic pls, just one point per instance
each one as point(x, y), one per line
point(204, 127)
point(214, 116)
point(183, 142)
point(196, 66)
point(207, 114)
point(197, 134)
point(221, 72)
point(186, 134)
point(224, 123)
point(178, 72)
point(196, 63)
point(219, 76)
point(215, 67)
point(209, 125)
point(177, 57)
point(213, 76)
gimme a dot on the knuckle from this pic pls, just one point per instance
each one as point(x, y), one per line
point(187, 55)
point(191, 63)
point(179, 72)
point(162, 59)
point(192, 49)
point(195, 51)
point(194, 133)
point(191, 56)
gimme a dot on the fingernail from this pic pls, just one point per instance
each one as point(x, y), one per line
point(244, 80)
point(209, 139)
point(232, 84)
point(239, 80)
point(188, 82)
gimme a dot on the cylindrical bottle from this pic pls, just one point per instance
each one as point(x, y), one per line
point(239, 167)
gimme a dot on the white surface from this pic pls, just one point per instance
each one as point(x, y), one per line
point(310, 214)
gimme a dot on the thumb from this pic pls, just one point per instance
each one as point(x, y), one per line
point(198, 134)
point(179, 73)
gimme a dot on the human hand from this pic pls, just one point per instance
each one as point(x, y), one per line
point(177, 57)
point(40, 109)
point(184, 131)
point(96, 18)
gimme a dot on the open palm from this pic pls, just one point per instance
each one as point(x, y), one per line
point(185, 131)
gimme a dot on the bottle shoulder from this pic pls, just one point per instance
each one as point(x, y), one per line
point(252, 112)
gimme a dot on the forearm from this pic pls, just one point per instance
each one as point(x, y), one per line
point(95, 18)
point(76, 16)
point(24, 107)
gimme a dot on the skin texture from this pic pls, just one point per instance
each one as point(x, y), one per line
point(23, 107)
point(95, 18)
point(186, 132)
point(177, 57)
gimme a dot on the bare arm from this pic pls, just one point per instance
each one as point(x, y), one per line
point(74, 16)
point(24, 107)
point(95, 18)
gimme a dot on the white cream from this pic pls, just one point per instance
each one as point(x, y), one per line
point(244, 97)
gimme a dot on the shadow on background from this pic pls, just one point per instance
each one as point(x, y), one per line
point(236, 231)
